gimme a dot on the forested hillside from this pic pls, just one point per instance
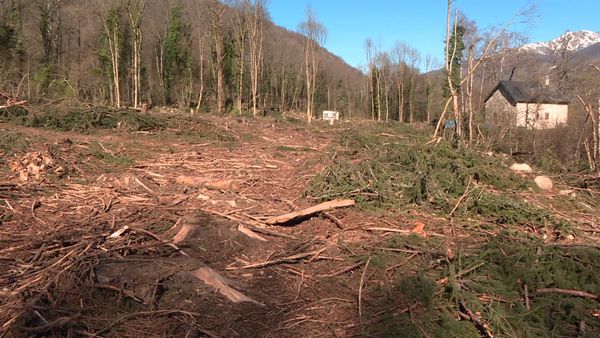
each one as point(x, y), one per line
point(94, 51)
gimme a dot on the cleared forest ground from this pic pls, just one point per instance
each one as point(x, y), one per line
point(114, 224)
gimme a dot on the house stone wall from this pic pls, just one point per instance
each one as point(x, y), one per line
point(541, 116)
point(499, 112)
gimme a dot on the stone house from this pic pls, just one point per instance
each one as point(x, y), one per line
point(526, 104)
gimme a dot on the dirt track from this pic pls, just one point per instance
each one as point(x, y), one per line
point(57, 248)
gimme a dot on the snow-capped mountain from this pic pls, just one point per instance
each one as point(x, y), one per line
point(573, 41)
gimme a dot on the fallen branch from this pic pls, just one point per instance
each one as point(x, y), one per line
point(568, 292)
point(251, 225)
point(388, 230)
point(290, 259)
point(344, 270)
point(221, 284)
point(460, 200)
point(296, 216)
point(270, 232)
point(479, 324)
point(162, 241)
point(334, 219)
point(11, 103)
point(250, 233)
point(360, 288)
point(157, 313)
point(56, 324)
point(526, 296)
point(400, 231)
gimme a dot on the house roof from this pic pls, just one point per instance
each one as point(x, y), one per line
point(529, 92)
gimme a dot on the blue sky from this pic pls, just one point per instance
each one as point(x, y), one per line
point(421, 23)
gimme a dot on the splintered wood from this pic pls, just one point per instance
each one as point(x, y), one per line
point(296, 216)
point(221, 284)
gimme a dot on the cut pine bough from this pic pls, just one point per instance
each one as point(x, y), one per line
point(298, 216)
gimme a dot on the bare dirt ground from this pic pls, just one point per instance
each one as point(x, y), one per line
point(163, 234)
point(62, 274)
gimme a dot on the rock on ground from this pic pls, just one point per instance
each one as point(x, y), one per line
point(544, 182)
point(521, 168)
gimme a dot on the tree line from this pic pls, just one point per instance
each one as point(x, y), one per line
point(201, 54)
point(206, 55)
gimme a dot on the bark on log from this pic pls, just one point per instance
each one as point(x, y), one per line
point(296, 216)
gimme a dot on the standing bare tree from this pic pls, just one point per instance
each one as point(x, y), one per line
point(135, 12)
point(217, 11)
point(315, 35)
point(111, 24)
point(414, 58)
point(399, 52)
point(240, 27)
point(430, 64)
point(370, 87)
point(50, 28)
point(255, 30)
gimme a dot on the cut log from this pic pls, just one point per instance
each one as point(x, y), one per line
point(221, 284)
point(296, 216)
point(250, 233)
point(187, 231)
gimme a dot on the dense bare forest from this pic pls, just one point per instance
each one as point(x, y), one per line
point(204, 54)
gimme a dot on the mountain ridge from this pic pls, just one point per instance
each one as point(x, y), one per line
point(569, 41)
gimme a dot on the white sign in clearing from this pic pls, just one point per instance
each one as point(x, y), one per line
point(331, 115)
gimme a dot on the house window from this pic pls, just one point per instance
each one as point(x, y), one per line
point(547, 116)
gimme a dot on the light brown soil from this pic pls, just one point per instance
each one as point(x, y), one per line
point(62, 276)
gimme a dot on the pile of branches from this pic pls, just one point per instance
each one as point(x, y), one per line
point(45, 270)
point(504, 284)
point(11, 101)
point(384, 174)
